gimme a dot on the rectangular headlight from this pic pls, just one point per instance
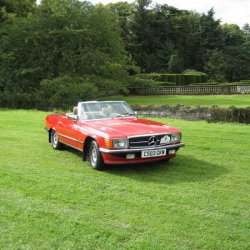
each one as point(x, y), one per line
point(120, 143)
point(176, 137)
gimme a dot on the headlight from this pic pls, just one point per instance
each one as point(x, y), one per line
point(120, 143)
point(116, 143)
point(176, 137)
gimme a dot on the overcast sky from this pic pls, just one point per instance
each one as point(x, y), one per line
point(229, 11)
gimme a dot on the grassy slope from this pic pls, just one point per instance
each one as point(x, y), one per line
point(220, 100)
point(51, 199)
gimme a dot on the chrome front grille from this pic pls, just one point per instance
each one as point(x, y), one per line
point(148, 141)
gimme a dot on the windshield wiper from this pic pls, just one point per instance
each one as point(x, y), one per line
point(125, 114)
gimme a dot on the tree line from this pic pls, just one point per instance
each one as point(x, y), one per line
point(60, 51)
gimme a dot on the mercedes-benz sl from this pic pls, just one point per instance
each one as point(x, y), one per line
point(109, 132)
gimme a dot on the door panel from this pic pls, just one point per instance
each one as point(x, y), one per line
point(69, 133)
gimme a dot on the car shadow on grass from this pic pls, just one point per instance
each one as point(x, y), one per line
point(179, 169)
point(183, 168)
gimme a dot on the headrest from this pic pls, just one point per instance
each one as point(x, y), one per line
point(75, 111)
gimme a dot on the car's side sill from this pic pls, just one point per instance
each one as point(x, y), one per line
point(72, 146)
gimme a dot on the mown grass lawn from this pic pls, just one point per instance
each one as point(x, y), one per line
point(209, 100)
point(51, 199)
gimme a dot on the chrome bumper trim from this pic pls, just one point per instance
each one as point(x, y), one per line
point(130, 150)
point(144, 135)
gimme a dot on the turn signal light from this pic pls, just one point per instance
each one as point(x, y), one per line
point(108, 143)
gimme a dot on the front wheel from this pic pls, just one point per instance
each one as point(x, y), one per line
point(56, 144)
point(95, 156)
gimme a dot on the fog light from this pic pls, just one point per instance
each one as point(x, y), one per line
point(171, 151)
point(130, 156)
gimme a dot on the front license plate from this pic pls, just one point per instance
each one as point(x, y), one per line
point(153, 153)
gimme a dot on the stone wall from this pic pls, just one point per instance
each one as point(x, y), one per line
point(210, 114)
point(222, 89)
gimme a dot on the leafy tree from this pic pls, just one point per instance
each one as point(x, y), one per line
point(63, 92)
point(16, 8)
point(246, 29)
point(152, 45)
point(123, 12)
point(185, 36)
point(65, 37)
point(60, 40)
point(141, 33)
point(245, 55)
point(210, 38)
point(216, 66)
point(175, 64)
point(238, 63)
point(236, 53)
point(233, 35)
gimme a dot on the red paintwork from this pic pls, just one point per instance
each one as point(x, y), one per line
point(106, 128)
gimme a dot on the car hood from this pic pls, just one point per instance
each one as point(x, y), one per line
point(125, 127)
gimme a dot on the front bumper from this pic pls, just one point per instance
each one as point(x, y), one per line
point(118, 156)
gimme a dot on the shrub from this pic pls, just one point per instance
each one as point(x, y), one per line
point(12, 99)
point(196, 76)
point(189, 77)
point(132, 70)
point(114, 71)
point(109, 87)
point(244, 82)
point(167, 84)
point(192, 72)
point(152, 76)
point(175, 63)
point(66, 91)
point(143, 83)
point(137, 82)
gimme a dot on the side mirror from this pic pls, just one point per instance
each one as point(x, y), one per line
point(72, 117)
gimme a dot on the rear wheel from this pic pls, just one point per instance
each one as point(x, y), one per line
point(95, 156)
point(56, 144)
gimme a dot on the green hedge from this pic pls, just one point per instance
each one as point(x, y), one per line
point(167, 84)
point(244, 82)
point(62, 93)
point(18, 100)
point(176, 79)
point(223, 83)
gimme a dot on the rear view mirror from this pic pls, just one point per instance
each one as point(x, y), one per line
point(72, 117)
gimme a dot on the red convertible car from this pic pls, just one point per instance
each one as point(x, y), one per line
point(109, 132)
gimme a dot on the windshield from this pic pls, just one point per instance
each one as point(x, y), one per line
point(102, 110)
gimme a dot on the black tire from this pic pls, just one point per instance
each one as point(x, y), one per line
point(56, 144)
point(95, 156)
